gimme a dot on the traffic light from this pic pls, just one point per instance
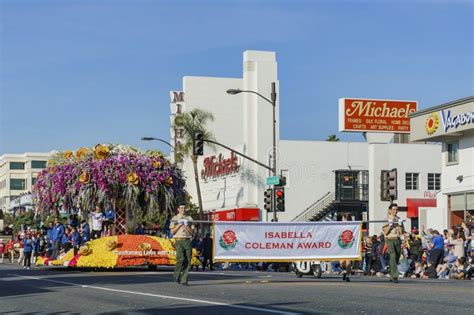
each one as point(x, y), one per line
point(198, 143)
point(392, 184)
point(388, 187)
point(268, 199)
point(280, 199)
point(384, 195)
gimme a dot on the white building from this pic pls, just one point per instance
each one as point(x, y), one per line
point(452, 124)
point(323, 178)
point(18, 174)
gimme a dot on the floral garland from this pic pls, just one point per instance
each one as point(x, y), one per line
point(106, 173)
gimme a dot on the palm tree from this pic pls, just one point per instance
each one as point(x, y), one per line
point(192, 122)
point(333, 138)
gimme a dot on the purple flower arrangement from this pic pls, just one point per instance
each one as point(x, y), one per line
point(108, 173)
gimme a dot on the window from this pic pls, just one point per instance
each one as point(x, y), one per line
point(411, 181)
point(434, 181)
point(17, 184)
point(17, 165)
point(33, 181)
point(38, 164)
point(452, 149)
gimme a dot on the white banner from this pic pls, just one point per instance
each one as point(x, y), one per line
point(288, 241)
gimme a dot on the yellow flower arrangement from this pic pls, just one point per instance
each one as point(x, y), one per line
point(39, 261)
point(111, 244)
point(133, 178)
point(84, 177)
point(62, 259)
point(85, 250)
point(82, 152)
point(166, 244)
point(51, 162)
point(101, 152)
point(169, 246)
point(156, 164)
point(169, 181)
point(68, 154)
point(101, 255)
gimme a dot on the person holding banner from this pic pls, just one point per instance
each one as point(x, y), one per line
point(346, 264)
point(182, 228)
point(392, 231)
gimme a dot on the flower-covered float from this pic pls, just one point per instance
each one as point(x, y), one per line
point(120, 251)
point(136, 183)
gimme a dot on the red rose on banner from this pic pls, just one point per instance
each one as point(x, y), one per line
point(346, 239)
point(228, 240)
point(347, 236)
point(229, 237)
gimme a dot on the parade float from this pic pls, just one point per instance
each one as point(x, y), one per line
point(136, 184)
point(120, 251)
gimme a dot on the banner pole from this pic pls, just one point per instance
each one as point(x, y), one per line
point(212, 222)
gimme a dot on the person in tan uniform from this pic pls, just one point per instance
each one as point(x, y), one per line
point(182, 228)
point(392, 231)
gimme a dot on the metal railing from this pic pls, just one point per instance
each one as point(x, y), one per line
point(313, 210)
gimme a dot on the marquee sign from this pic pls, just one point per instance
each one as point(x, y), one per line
point(286, 241)
point(369, 115)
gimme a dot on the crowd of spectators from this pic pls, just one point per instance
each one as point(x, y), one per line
point(204, 248)
point(426, 254)
point(58, 237)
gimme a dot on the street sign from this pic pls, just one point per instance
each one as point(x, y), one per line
point(273, 180)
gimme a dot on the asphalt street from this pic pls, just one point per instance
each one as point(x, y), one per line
point(139, 291)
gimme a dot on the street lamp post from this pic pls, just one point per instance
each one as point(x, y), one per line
point(161, 140)
point(272, 101)
point(157, 139)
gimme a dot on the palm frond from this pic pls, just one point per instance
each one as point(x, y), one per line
point(192, 122)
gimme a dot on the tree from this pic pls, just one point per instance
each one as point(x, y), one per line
point(332, 138)
point(24, 219)
point(192, 122)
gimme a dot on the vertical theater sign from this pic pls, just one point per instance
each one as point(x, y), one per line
point(177, 107)
point(371, 115)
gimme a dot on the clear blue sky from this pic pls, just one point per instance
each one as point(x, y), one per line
point(76, 73)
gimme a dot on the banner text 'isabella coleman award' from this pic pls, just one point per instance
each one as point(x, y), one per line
point(262, 241)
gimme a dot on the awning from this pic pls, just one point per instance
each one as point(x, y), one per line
point(414, 204)
point(239, 214)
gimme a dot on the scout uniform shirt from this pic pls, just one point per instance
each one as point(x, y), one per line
point(396, 230)
point(182, 232)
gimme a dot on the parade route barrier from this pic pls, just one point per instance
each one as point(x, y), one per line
point(286, 241)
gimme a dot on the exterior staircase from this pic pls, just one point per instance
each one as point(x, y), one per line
point(319, 210)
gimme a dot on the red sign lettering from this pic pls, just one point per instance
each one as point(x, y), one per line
point(218, 166)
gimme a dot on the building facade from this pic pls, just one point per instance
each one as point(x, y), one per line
point(18, 174)
point(324, 178)
point(451, 124)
